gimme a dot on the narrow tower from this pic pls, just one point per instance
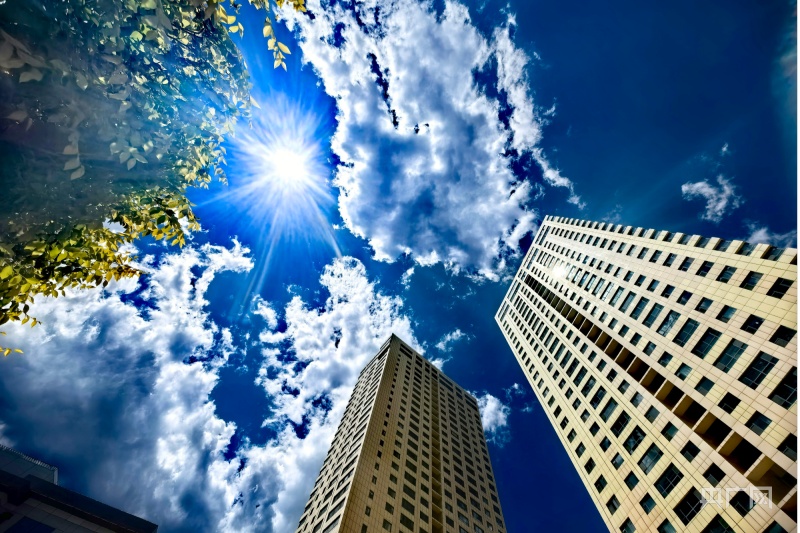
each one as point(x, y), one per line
point(667, 365)
point(409, 456)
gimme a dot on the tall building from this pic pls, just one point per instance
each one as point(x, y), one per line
point(32, 502)
point(667, 365)
point(409, 456)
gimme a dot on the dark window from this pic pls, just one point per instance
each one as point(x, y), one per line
point(590, 465)
point(742, 502)
point(690, 451)
point(605, 444)
point(746, 248)
point(639, 281)
point(631, 480)
point(620, 423)
point(666, 527)
point(612, 505)
point(636, 399)
point(651, 414)
point(726, 274)
point(704, 386)
point(714, 475)
point(655, 256)
point(652, 285)
point(600, 484)
point(652, 315)
point(706, 342)
point(779, 288)
point(704, 269)
point(726, 314)
point(650, 458)
point(668, 480)
point(729, 403)
point(718, 525)
point(689, 506)
point(752, 324)
point(751, 280)
point(683, 371)
point(686, 264)
point(649, 348)
point(730, 355)
point(634, 440)
point(704, 304)
point(667, 292)
point(617, 461)
point(670, 259)
point(686, 332)
point(594, 429)
point(722, 245)
point(684, 297)
point(772, 253)
point(640, 305)
point(627, 526)
point(665, 359)
point(758, 370)
point(669, 321)
point(785, 394)
point(627, 302)
point(647, 503)
point(783, 336)
point(608, 410)
point(758, 423)
point(789, 447)
point(669, 431)
point(775, 527)
point(580, 449)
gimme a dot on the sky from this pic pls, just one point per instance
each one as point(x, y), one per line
point(390, 183)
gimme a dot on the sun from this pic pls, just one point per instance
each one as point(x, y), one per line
point(288, 168)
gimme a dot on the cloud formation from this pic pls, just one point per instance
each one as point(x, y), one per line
point(762, 234)
point(494, 415)
point(437, 130)
point(720, 198)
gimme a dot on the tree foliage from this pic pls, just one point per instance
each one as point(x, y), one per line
point(109, 110)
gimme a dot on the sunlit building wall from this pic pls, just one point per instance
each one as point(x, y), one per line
point(667, 365)
point(409, 456)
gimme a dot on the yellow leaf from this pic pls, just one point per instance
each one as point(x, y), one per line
point(277, 62)
point(72, 164)
point(131, 163)
point(284, 48)
point(78, 173)
point(33, 74)
point(18, 116)
point(71, 149)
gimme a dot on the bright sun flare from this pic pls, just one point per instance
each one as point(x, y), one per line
point(287, 167)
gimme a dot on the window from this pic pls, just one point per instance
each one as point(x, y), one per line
point(690, 451)
point(775, 527)
point(730, 355)
point(608, 410)
point(686, 264)
point(706, 342)
point(689, 506)
point(617, 461)
point(704, 269)
point(647, 503)
point(631, 480)
point(627, 526)
point(758, 370)
point(637, 399)
point(652, 315)
point(635, 339)
point(726, 314)
point(639, 281)
point(668, 480)
point(758, 423)
point(649, 348)
point(779, 288)
point(742, 502)
point(752, 324)
point(704, 386)
point(746, 248)
point(686, 332)
point(652, 285)
point(726, 274)
point(789, 447)
point(387, 525)
point(600, 484)
point(668, 322)
point(571, 435)
point(785, 394)
point(594, 429)
point(704, 304)
point(714, 475)
point(772, 253)
point(669, 260)
point(683, 371)
point(669, 431)
point(684, 297)
point(667, 292)
point(666, 527)
point(655, 256)
point(612, 505)
point(751, 280)
point(640, 305)
point(729, 403)
point(620, 423)
point(580, 449)
point(627, 301)
point(605, 444)
point(590, 465)
point(651, 414)
point(623, 331)
point(665, 359)
point(650, 458)
point(783, 336)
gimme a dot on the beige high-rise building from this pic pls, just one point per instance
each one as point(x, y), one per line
point(409, 456)
point(667, 365)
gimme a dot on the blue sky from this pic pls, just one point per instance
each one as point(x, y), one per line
point(434, 138)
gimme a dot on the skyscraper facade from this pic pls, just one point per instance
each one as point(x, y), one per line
point(409, 456)
point(667, 365)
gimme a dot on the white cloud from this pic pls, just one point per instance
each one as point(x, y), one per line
point(494, 415)
point(405, 279)
point(720, 198)
point(445, 344)
point(762, 234)
point(424, 171)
